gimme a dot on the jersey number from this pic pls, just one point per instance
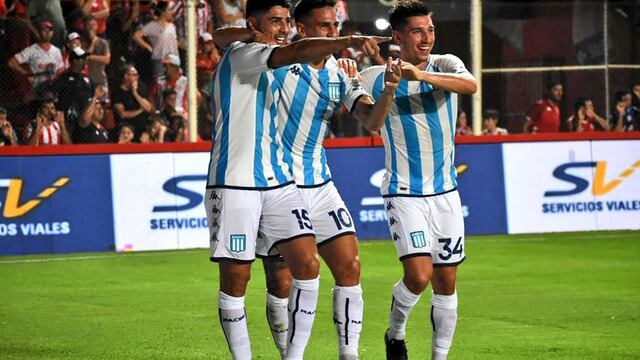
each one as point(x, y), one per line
point(341, 218)
point(457, 249)
point(303, 219)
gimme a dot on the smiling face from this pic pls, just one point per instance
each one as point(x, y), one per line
point(416, 39)
point(275, 24)
point(322, 22)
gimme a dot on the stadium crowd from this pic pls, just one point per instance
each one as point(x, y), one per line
point(112, 71)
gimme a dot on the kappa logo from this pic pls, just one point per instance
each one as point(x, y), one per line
point(392, 221)
point(214, 196)
point(295, 70)
point(396, 237)
point(238, 242)
point(390, 206)
point(13, 208)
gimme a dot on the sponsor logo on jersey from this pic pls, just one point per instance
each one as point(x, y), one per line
point(334, 91)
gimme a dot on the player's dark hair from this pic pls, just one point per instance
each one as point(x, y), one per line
point(256, 7)
point(404, 9)
point(305, 7)
point(552, 84)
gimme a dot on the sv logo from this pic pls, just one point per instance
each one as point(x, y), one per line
point(600, 185)
point(13, 208)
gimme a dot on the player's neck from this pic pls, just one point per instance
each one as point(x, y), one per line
point(319, 65)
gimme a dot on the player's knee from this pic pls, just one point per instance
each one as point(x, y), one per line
point(279, 285)
point(305, 268)
point(349, 273)
point(416, 283)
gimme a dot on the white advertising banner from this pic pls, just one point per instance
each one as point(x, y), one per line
point(158, 201)
point(572, 186)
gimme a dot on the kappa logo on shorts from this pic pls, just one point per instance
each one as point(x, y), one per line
point(418, 240)
point(392, 221)
point(396, 237)
point(390, 206)
point(238, 242)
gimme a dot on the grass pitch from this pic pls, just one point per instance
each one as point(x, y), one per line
point(549, 296)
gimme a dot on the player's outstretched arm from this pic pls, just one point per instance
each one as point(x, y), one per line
point(458, 83)
point(225, 36)
point(372, 116)
point(313, 49)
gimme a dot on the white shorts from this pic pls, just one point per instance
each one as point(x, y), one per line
point(328, 213)
point(243, 221)
point(428, 226)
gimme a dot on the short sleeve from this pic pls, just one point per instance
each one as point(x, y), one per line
point(147, 30)
point(451, 64)
point(59, 60)
point(23, 56)
point(250, 58)
point(369, 76)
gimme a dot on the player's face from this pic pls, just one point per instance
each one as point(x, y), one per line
point(416, 39)
point(275, 24)
point(321, 22)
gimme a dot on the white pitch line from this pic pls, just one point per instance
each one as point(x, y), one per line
point(95, 257)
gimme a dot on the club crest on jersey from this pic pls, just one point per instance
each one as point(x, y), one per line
point(418, 240)
point(334, 91)
point(238, 242)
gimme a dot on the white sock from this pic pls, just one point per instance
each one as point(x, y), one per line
point(402, 303)
point(278, 319)
point(347, 317)
point(302, 311)
point(444, 316)
point(233, 319)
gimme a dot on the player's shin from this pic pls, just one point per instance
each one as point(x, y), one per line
point(277, 316)
point(233, 319)
point(402, 303)
point(302, 311)
point(347, 318)
point(444, 316)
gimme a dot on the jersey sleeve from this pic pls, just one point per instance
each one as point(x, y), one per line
point(23, 56)
point(250, 58)
point(59, 61)
point(452, 64)
point(369, 76)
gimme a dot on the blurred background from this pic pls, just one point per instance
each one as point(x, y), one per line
point(591, 48)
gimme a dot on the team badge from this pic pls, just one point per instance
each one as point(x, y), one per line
point(238, 243)
point(418, 240)
point(334, 91)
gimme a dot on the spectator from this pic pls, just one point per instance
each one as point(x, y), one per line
point(130, 103)
point(120, 35)
point(48, 128)
point(204, 23)
point(206, 61)
point(622, 118)
point(172, 79)
point(490, 119)
point(168, 108)
point(635, 102)
point(73, 41)
point(44, 58)
point(96, 9)
point(7, 134)
point(51, 12)
point(462, 124)
point(161, 38)
point(99, 54)
point(544, 115)
point(125, 134)
point(90, 129)
point(229, 13)
point(176, 130)
point(156, 131)
point(73, 87)
point(585, 118)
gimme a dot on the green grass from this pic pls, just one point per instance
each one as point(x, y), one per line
point(549, 296)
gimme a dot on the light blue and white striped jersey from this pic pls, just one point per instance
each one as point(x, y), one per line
point(419, 131)
point(308, 98)
point(246, 151)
